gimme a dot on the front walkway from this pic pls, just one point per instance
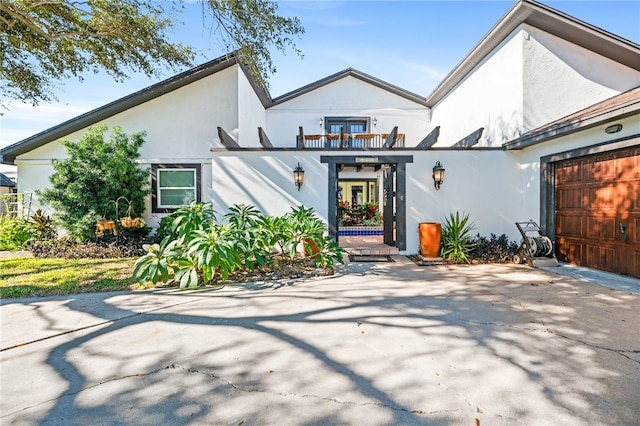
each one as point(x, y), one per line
point(366, 246)
point(375, 344)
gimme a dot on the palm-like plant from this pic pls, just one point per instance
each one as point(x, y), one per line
point(457, 237)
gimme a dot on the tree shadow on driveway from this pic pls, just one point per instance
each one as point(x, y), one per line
point(384, 346)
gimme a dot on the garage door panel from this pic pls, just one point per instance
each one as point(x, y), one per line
point(600, 257)
point(601, 227)
point(627, 167)
point(631, 192)
point(569, 251)
point(595, 196)
point(633, 230)
point(569, 172)
point(601, 197)
point(571, 198)
point(600, 168)
point(570, 225)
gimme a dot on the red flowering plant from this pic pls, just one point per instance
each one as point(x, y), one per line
point(364, 214)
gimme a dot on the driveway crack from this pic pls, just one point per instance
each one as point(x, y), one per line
point(622, 352)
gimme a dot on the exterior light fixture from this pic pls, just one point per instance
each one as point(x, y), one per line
point(614, 128)
point(298, 176)
point(438, 175)
point(320, 122)
point(375, 121)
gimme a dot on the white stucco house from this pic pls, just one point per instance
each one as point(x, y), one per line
point(541, 120)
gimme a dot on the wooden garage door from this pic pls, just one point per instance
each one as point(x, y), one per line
point(598, 211)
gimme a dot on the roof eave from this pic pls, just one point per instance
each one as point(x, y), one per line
point(568, 127)
point(350, 72)
point(549, 20)
point(9, 153)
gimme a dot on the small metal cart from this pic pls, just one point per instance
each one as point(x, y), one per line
point(535, 249)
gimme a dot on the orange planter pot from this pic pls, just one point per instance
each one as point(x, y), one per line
point(313, 249)
point(430, 237)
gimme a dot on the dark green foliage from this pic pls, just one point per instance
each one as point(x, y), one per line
point(47, 41)
point(196, 250)
point(96, 172)
point(456, 238)
point(493, 249)
point(69, 249)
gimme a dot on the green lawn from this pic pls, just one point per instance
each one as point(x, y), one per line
point(25, 276)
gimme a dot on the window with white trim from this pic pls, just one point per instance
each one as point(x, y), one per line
point(175, 185)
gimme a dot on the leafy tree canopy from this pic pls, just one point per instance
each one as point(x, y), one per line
point(42, 42)
point(96, 173)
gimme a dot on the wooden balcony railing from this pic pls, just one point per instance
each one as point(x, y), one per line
point(349, 141)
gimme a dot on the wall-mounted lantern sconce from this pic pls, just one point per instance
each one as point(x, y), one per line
point(614, 128)
point(438, 175)
point(298, 176)
point(375, 121)
point(320, 122)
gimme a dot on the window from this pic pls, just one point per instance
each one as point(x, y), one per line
point(174, 185)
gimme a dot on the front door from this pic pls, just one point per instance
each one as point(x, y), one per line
point(388, 200)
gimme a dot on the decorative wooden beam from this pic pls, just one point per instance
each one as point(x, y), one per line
point(264, 139)
point(430, 139)
point(300, 142)
point(470, 140)
point(226, 139)
point(391, 139)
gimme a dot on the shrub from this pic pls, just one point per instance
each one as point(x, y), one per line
point(456, 238)
point(43, 224)
point(196, 249)
point(15, 232)
point(95, 173)
point(493, 249)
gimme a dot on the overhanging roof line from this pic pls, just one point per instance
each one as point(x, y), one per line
point(546, 19)
point(9, 153)
point(350, 72)
point(615, 108)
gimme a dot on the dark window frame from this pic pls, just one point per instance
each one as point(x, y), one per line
point(172, 166)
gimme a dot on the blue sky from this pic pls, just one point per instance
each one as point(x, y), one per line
point(412, 44)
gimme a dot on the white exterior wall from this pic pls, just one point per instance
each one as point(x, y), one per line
point(561, 78)
point(264, 179)
point(484, 184)
point(490, 97)
point(347, 97)
point(251, 113)
point(181, 126)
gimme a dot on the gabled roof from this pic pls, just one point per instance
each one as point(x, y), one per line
point(6, 182)
point(8, 154)
point(551, 21)
point(350, 72)
point(615, 108)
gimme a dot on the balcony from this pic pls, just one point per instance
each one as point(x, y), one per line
point(348, 141)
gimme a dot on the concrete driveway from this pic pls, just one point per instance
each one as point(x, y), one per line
point(375, 344)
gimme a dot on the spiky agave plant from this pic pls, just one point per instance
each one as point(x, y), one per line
point(457, 237)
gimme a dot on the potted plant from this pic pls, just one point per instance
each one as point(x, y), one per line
point(128, 222)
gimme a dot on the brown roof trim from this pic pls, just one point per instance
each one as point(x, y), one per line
point(615, 108)
point(9, 153)
point(549, 20)
point(350, 72)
